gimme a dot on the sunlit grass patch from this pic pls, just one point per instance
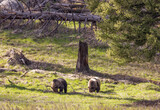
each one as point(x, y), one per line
point(36, 89)
point(59, 53)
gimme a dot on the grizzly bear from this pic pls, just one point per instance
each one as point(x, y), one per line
point(59, 85)
point(94, 84)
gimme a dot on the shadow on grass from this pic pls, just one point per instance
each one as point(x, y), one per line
point(50, 67)
point(108, 92)
point(152, 103)
point(119, 77)
point(148, 102)
point(93, 95)
point(96, 95)
point(12, 85)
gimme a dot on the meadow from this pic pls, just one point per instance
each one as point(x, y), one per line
point(55, 56)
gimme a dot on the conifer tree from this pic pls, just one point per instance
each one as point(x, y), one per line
point(131, 27)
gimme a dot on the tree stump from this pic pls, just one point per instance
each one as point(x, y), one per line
point(82, 62)
point(16, 57)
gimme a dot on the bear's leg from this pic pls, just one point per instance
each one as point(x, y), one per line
point(61, 90)
point(98, 89)
point(65, 89)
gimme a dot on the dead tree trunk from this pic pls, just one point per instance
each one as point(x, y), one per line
point(82, 62)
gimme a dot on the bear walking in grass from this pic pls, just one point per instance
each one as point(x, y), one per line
point(94, 85)
point(59, 85)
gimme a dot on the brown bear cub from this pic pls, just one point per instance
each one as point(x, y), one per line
point(59, 85)
point(94, 85)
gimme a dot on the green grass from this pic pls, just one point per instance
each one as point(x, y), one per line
point(34, 89)
point(58, 54)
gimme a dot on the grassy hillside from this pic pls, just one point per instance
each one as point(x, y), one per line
point(58, 54)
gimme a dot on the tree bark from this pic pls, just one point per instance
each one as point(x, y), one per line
point(49, 15)
point(82, 62)
point(69, 8)
point(69, 5)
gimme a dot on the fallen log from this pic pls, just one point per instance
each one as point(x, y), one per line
point(42, 4)
point(71, 1)
point(46, 15)
point(69, 10)
point(62, 7)
point(69, 5)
